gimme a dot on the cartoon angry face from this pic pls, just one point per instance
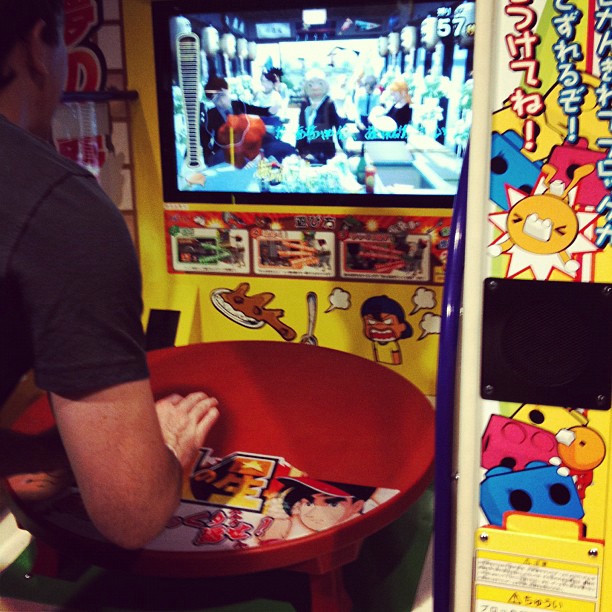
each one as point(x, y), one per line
point(384, 329)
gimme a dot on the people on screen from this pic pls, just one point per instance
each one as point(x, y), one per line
point(273, 95)
point(218, 149)
point(400, 110)
point(365, 101)
point(319, 122)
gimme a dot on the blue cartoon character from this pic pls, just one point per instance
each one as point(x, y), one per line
point(540, 488)
point(510, 167)
point(384, 324)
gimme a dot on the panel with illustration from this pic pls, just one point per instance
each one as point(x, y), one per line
point(544, 468)
point(551, 160)
point(331, 246)
point(368, 284)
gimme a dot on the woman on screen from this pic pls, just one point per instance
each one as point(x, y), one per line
point(273, 94)
point(400, 110)
point(268, 96)
point(391, 123)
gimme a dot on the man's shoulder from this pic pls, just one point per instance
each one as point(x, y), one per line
point(212, 116)
point(27, 158)
point(30, 169)
point(32, 172)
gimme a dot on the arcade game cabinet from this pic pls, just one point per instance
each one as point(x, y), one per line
point(532, 516)
point(295, 169)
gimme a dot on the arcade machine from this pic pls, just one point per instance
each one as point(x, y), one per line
point(295, 170)
point(531, 519)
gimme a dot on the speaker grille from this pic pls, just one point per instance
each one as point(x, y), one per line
point(528, 337)
point(547, 342)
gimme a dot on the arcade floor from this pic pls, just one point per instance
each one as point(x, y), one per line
point(392, 573)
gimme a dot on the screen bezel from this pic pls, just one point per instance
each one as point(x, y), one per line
point(162, 12)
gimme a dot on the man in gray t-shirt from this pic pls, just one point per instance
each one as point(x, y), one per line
point(70, 304)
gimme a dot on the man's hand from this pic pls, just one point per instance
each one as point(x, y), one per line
point(185, 423)
point(129, 483)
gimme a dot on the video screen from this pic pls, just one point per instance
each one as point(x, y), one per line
point(367, 102)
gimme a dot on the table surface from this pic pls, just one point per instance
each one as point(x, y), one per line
point(334, 415)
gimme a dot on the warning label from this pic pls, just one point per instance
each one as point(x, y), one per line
point(535, 578)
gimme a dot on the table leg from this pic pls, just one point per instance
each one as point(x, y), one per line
point(327, 592)
point(51, 563)
point(46, 560)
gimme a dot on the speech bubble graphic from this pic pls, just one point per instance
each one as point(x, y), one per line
point(339, 298)
point(423, 299)
point(430, 324)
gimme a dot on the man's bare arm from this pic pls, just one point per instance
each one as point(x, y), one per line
point(127, 476)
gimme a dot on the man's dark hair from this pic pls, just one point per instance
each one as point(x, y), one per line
point(17, 18)
point(274, 74)
point(215, 85)
point(299, 491)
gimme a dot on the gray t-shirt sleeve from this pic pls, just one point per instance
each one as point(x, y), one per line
point(80, 285)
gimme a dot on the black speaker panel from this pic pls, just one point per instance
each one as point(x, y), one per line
point(161, 328)
point(547, 342)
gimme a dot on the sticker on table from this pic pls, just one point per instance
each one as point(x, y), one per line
point(242, 500)
point(246, 500)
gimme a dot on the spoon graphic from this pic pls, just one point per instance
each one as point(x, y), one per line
point(309, 337)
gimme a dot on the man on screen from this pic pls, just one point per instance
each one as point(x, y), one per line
point(216, 141)
point(319, 122)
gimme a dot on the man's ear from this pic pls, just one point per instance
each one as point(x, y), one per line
point(295, 509)
point(36, 53)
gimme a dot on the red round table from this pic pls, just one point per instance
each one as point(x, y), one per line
point(336, 416)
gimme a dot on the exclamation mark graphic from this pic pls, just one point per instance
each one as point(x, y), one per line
point(529, 134)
